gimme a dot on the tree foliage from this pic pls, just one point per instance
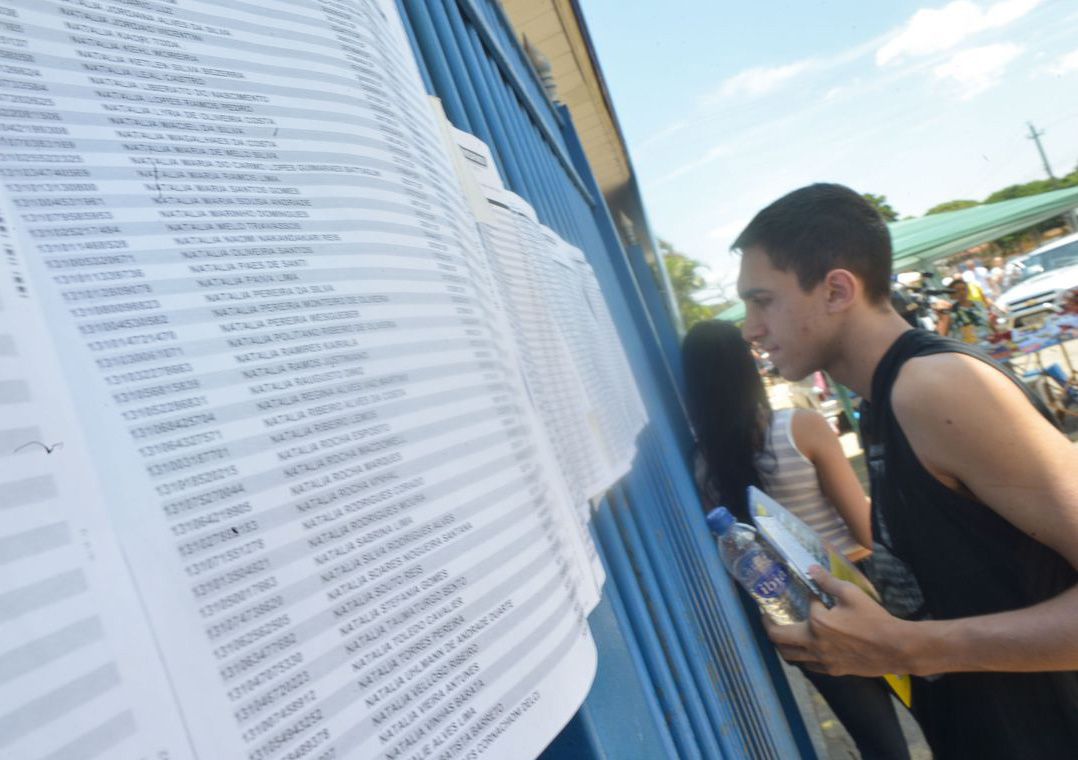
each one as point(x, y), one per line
point(1015, 240)
point(879, 202)
point(685, 280)
point(1036, 187)
point(943, 208)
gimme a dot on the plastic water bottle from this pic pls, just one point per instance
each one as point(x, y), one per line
point(781, 596)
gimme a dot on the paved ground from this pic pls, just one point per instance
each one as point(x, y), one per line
point(829, 737)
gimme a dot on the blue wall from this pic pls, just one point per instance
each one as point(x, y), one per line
point(682, 672)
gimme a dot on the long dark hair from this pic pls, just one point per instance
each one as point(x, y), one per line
point(728, 408)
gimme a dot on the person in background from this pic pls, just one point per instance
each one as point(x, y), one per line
point(980, 273)
point(996, 279)
point(974, 273)
point(795, 457)
point(974, 492)
point(965, 319)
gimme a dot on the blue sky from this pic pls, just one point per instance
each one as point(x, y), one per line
point(726, 106)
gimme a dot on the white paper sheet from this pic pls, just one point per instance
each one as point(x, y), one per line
point(335, 532)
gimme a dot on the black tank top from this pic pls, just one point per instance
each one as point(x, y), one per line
point(967, 560)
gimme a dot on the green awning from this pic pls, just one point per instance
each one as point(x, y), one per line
point(919, 242)
point(734, 313)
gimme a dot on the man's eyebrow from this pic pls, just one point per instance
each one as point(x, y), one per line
point(753, 293)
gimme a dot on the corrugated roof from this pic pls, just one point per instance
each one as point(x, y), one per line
point(919, 242)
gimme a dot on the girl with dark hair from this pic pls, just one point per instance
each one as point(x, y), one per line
point(795, 457)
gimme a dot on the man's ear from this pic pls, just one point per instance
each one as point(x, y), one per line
point(842, 287)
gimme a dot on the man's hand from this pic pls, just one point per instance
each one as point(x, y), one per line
point(855, 637)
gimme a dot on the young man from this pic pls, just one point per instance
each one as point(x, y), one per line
point(972, 488)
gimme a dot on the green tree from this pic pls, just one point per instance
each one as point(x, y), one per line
point(685, 279)
point(1036, 187)
point(1021, 240)
point(943, 208)
point(879, 202)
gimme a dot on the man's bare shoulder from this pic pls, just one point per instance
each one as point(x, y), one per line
point(927, 385)
point(969, 423)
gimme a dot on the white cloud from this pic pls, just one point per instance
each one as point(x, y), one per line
point(933, 30)
point(978, 69)
point(668, 131)
point(757, 81)
point(1065, 65)
point(835, 93)
point(713, 154)
point(727, 232)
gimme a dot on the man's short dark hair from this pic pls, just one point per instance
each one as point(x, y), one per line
point(819, 228)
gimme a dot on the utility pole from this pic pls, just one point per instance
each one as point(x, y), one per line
point(1035, 136)
point(1070, 218)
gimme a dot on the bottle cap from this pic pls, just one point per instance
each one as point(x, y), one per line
point(719, 520)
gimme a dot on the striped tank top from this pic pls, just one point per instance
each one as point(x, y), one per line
point(790, 479)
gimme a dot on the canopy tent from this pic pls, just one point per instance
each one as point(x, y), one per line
point(919, 242)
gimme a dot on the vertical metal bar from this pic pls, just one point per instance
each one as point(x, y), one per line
point(469, 55)
point(745, 656)
point(611, 724)
point(537, 151)
point(668, 616)
point(514, 176)
point(718, 685)
point(516, 75)
point(651, 647)
point(529, 188)
point(431, 50)
point(421, 64)
point(462, 76)
point(726, 654)
point(502, 38)
point(656, 306)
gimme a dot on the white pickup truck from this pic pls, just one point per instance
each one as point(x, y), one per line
point(1044, 277)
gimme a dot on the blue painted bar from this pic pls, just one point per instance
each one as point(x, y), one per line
point(515, 79)
point(668, 613)
point(430, 51)
point(611, 723)
point(719, 686)
point(656, 307)
point(667, 689)
point(420, 63)
point(462, 75)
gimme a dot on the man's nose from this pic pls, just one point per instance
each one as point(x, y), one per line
point(752, 330)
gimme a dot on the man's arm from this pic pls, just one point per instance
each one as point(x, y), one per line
point(976, 432)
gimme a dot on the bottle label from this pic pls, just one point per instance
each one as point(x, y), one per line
point(765, 578)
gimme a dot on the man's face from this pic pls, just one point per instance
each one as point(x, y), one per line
point(781, 318)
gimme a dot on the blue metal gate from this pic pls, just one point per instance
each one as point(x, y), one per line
point(681, 669)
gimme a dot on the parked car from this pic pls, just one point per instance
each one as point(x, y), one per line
point(1043, 279)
